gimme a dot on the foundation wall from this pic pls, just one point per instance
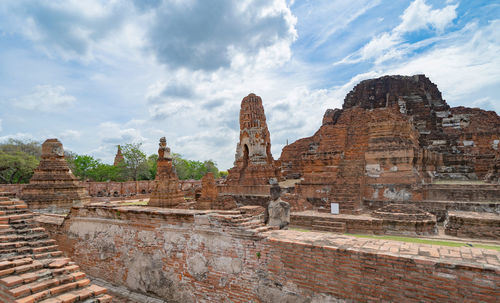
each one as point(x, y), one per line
point(473, 225)
point(192, 256)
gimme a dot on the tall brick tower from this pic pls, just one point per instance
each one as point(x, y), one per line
point(254, 163)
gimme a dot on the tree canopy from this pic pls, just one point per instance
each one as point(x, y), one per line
point(18, 160)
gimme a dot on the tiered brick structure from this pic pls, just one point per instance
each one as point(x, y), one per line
point(53, 187)
point(32, 269)
point(208, 192)
point(393, 134)
point(493, 175)
point(254, 166)
point(166, 192)
point(473, 225)
point(118, 157)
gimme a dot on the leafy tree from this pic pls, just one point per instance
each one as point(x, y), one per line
point(17, 167)
point(18, 160)
point(152, 165)
point(135, 160)
point(84, 166)
point(191, 169)
point(106, 172)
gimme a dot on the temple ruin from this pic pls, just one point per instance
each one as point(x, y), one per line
point(53, 187)
point(254, 167)
point(312, 226)
point(166, 192)
point(118, 157)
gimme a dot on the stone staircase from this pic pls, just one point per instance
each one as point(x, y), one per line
point(32, 269)
point(331, 226)
point(248, 218)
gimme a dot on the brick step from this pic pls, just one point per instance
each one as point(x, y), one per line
point(16, 217)
point(23, 245)
point(9, 231)
point(18, 225)
point(28, 235)
point(264, 229)
point(13, 206)
point(332, 226)
point(250, 222)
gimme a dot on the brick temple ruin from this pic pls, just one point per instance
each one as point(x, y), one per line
point(53, 187)
point(395, 160)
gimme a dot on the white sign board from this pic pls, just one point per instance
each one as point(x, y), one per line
point(334, 208)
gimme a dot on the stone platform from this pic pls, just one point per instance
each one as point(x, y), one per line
point(362, 223)
point(473, 225)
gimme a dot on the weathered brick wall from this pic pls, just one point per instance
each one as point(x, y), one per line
point(189, 256)
point(128, 188)
point(473, 225)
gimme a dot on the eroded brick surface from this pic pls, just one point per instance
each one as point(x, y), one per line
point(32, 268)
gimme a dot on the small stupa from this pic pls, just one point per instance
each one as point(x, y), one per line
point(118, 157)
point(53, 187)
point(166, 192)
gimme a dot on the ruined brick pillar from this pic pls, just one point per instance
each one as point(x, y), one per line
point(53, 187)
point(118, 157)
point(208, 192)
point(166, 192)
point(254, 163)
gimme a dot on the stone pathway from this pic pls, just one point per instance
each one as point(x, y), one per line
point(471, 256)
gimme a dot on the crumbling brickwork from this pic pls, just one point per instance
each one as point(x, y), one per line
point(193, 256)
point(254, 166)
point(166, 192)
point(208, 192)
point(393, 134)
point(118, 157)
point(53, 187)
point(32, 268)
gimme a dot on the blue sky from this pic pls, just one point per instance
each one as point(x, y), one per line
point(100, 73)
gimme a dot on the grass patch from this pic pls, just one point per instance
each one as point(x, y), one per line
point(426, 241)
point(135, 203)
point(299, 229)
point(469, 182)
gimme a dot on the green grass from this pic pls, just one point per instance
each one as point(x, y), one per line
point(414, 240)
point(458, 182)
point(299, 229)
point(135, 203)
point(426, 241)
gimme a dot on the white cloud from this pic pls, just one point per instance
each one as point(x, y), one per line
point(393, 45)
point(45, 98)
point(419, 15)
point(18, 136)
point(71, 134)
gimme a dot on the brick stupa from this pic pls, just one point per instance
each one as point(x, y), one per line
point(118, 157)
point(53, 187)
point(208, 192)
point(254, 164)
point(166, 192)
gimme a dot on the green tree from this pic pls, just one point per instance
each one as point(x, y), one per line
point(192, 169)
point(152, 165)
point(18, 160)
point(106, 172)
point(84, 166)
point(135, 160)
point(17, 167)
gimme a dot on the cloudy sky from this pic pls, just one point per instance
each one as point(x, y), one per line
point(100, 73)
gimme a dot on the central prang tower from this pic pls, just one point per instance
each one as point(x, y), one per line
point(254, 164)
